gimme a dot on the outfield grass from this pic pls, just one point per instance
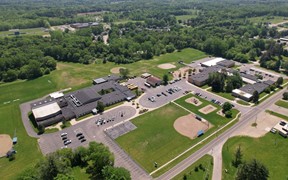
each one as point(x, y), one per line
point(223, 94)
point(67, 75)
point(270, 150)
point(283, 104)
point(212, 117)
point(155, 139)
point(191, 174)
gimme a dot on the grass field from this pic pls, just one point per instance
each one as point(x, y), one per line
point(191, 174)
point(275, 19)
point(223, 94)
point(67, 75)
point(31, 31)
point(283, 104)
point(155, 139)
point(269, 149)
point(212, 117)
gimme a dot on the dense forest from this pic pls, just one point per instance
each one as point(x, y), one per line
point(138, 30)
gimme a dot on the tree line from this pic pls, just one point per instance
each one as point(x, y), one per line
point(96, 159)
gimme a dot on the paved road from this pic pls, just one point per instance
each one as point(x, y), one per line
point(244, 120)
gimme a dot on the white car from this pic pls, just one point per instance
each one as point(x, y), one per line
point(67, 142)
point(63, 134)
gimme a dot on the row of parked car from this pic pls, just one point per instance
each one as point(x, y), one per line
point(169, 91)
point(102, 121)
point(67, 141)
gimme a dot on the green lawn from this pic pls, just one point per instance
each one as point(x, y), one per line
point(274, 19)
point(155, 139)
point(31, 31)
point(191, 174)
point(243, 102)
point(278, 115)
point(212, 117)
point(283, 104)
point(223, 94)
point(67, 75)
point(270, 149)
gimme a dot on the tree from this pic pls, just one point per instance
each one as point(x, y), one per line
point(124, 72)
point(100, 107)
point(165, 79)
point(238, 157)
point(115, 173)
point(228, 114)
point(229, 87)
point(217, 81)
point(285, 95)
point(253, 170)
point(41, 129)
point(226, 107)
point(255, 97)
point(279, 81)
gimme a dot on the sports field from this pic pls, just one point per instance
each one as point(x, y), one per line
point(67, 75)
point(212, 117)
point(270, 150)
point(155, 139)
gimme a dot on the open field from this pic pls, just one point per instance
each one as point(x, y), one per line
point(67, 75)
point(155, 139)
point(273, 148)
point(273, 19)
point(283, 104)
point(31, 31)
point(207, 163)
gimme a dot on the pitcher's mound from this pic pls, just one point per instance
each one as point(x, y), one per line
point(207, 109)
point(166, 66)
point(116, 70)
point(189, 126)
point(5, 144)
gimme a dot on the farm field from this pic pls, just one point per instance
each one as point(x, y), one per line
point(273, 149)
point(67, 75)
point(206, 162)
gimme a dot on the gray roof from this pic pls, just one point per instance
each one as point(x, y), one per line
point(249, 76)
point(204, 75)
point(99, 80)
point(269, 82)
point(226, 63)
point(87, 95)
point(250, 88)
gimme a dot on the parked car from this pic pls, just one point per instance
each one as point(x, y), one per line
point(273, 130)
point(282, 123)
point(81, 137)
point(164, 94)
point(66, 142)
point(63, 134)
point(158, 95)
point(64, 138)
point(79, 134)
point(83, 140)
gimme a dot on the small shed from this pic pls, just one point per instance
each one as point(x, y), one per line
point(154, 81)
point(145, 75)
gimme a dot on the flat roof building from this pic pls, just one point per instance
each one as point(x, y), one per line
point(226, 63)
point(212, 62)
point(46, 111)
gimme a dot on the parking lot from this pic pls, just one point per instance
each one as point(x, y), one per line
point(89, 129)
